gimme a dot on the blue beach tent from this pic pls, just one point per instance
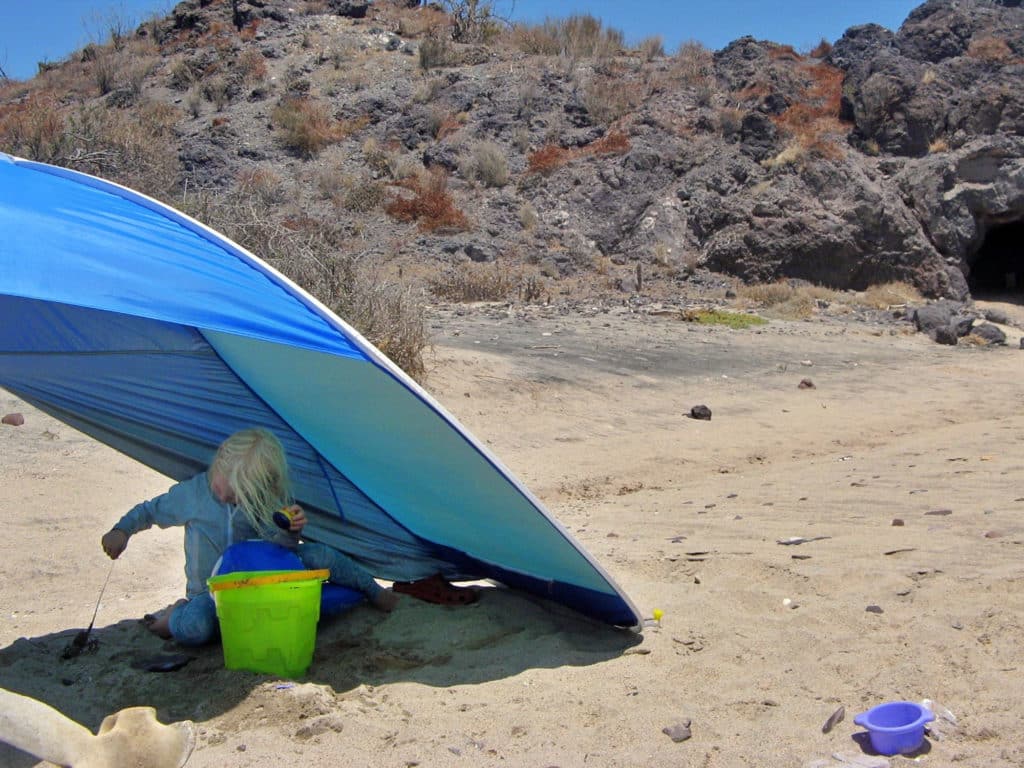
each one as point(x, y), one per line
point(154, 334)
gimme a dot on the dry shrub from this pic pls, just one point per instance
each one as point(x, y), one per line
point(392, 317)
point(106, 68)
point(551, 157)
point(938, 145)
point(758, 90)
point(889, 295)
point(419, 22)
point(252, 66)
point(487, 164)
point(315, 8)
point(184, 74)
point(479, 282)
point(693, 63)
point(33, 128)
point(994, 50)
point(782, 53)
point(606, 100)
point(814, 121)
point(584, 37)
point(580, 36)
point(441, 123)
point(798, 306)
point(786, 301)
point(537, 39)
point(389, 159)
point(612, 143)
point(794, 153)
point(548, 159)
point(766, 294)
point(730, 120)
point(528, 217)
point(433, 53)
point(821, 50)
point(651, 48)
point(428, 91)
point(262, 183)
point(359, 194)
point(431, 205)
point(363, 195)
point(248, 32)
point(217, 91)
point(314, 255)
point(826, 89)
point(134, 149)
point(305, 126)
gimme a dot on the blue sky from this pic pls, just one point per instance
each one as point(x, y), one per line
point(48, 30)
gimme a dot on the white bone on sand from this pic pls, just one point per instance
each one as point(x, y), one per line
point(131, 738)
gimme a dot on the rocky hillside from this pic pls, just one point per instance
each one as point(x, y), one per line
point(334, 135)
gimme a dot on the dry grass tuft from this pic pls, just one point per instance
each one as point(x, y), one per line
point(778, 52)
point(994, 50)
point(551, 157)
point(889, 295)
point(814, 121)
point(487, 164)
point(485, 282)
point(134, 149)
point(693, 63)
point(315, 256)
point(821, 50)
point(548, 159)
point(606, 100)
point(786, 301)
point(306, 127)
point(580, 36)
point(431, 205)
point(651, 48)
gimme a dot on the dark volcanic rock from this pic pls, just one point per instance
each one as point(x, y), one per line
point(898, 156)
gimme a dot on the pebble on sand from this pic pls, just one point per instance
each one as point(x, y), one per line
point(679, 731)
point(700, 412)
point(14, 419)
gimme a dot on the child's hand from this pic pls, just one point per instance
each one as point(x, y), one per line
point(113, 542)
point(298, 518)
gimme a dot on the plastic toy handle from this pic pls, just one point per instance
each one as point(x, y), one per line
point(272, 578)
point(283, 519)
point(859, 720)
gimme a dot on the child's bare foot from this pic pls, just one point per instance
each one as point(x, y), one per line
point(160, 622)
point(386, 600)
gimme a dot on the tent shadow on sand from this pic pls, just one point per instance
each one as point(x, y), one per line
point(503, 634)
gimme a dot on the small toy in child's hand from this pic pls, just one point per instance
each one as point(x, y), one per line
point(283, 518)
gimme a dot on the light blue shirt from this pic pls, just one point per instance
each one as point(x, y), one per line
point(211, 526)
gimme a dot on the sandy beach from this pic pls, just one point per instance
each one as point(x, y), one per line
point(901, 467)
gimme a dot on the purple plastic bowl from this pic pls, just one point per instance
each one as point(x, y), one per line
point(895, 727)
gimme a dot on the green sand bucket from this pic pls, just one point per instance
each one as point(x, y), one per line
point(268, 619)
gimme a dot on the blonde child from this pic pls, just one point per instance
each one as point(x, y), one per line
point(234, 500)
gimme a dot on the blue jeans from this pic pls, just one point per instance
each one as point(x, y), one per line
point(344, 570)
point(195, 622)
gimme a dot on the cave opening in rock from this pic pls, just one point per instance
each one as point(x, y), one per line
point(998, 267)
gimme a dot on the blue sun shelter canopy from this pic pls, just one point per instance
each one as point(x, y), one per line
point(159, 337)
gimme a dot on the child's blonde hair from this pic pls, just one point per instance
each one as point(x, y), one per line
point(253, 463)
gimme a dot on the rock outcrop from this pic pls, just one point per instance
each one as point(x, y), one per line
point(888, 156)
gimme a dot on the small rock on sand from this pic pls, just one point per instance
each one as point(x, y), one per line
point(700, 412)
point(679, 731)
